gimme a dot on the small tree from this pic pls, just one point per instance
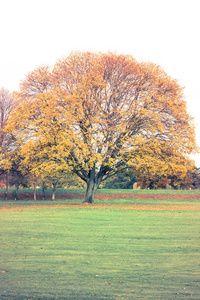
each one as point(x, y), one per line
point(6, 106)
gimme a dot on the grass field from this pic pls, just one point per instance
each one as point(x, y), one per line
point(127, 247)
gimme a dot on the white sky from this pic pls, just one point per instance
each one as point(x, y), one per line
point(166, 32)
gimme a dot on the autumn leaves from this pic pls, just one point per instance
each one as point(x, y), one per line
point(95, 114)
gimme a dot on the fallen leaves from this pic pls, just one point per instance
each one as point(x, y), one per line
point(130, 206)
point(105, 197)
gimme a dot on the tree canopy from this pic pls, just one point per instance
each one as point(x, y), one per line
point(6, 105)
point(96, 114)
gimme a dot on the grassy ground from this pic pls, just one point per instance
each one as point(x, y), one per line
point(106, 252)
point(106, 191)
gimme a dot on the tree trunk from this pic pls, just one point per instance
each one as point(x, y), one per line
point(43, 191)
point(54, 191)
point(53, 195)
point(6, 192)
point(16, 192)
point(91, 187)
point(35, 195)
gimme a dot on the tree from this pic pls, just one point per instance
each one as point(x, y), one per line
point(41, 162)
point(123, 180)
point(195, 174)
point(100, 113)
point(6, 105)
point(190, 180)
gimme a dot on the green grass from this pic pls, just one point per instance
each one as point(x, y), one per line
point(152, 201)
point(151, 192)
point(80, 253)
point(108, 191)
point(47, 191)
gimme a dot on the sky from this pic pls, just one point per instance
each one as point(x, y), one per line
point(165, 32)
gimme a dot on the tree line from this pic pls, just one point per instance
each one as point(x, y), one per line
point(93, 116)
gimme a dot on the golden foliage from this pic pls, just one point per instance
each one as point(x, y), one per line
point(96, 113)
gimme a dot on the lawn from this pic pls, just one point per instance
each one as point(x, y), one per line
point(115, 249)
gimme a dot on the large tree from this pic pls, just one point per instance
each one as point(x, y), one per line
point(99, 113)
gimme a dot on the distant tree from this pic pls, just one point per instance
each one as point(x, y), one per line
point(45, 169)
point(100, 113)
point(123, 180)
point(190, 180)
point(6, 106)
point(17, 176)
point(196, 178)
